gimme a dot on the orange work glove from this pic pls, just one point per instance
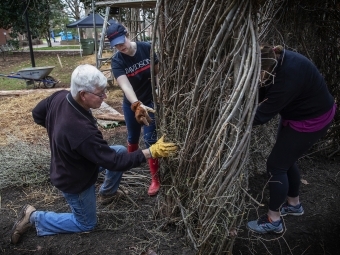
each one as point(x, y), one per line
point(141, 113)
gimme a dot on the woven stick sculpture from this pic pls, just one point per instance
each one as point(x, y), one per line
point(207, 97)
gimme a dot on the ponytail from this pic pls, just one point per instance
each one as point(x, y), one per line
point(278, 49)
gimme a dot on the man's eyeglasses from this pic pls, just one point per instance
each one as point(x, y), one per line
point(102, 95)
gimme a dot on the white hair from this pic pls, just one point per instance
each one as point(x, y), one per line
point(87, 77)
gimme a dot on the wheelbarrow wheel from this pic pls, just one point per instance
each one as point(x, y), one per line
point(49, 82)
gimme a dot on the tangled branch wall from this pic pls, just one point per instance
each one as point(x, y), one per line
point(209, 68)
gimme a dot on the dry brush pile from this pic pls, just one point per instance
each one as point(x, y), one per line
point(209, 71)
point(24, 150)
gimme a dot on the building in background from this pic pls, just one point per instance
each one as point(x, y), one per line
point(4, 36)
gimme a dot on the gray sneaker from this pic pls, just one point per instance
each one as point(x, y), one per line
point(288, 209)
point(264, 226)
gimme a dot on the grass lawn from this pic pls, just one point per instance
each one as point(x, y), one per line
point(71, 47)
point(64, 64)
point(62, 69)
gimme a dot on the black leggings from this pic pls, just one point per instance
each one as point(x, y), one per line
point(284, 175)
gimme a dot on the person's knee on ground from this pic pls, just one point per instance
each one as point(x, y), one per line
point(88, 227)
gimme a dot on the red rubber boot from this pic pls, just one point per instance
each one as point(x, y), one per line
point(132, 147)
point(155, 184)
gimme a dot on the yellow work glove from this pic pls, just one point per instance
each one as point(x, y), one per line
point(162, 149)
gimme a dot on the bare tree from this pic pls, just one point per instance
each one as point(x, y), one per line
point(74, 8)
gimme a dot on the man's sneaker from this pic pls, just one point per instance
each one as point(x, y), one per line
point(264, 225)
point(107, 199)
point(22, 224)
point(288, 209)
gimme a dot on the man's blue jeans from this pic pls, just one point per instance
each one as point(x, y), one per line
point(83, 217)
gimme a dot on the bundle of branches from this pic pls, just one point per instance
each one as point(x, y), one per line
point(312, 28)
point(208, 84)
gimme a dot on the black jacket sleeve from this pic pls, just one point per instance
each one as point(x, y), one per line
point(102, 155)
point(39, 113)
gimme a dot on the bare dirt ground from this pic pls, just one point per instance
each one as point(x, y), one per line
point(132, 224)
point(317, 232)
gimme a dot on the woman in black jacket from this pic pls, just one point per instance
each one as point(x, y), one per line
point(292, 87)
